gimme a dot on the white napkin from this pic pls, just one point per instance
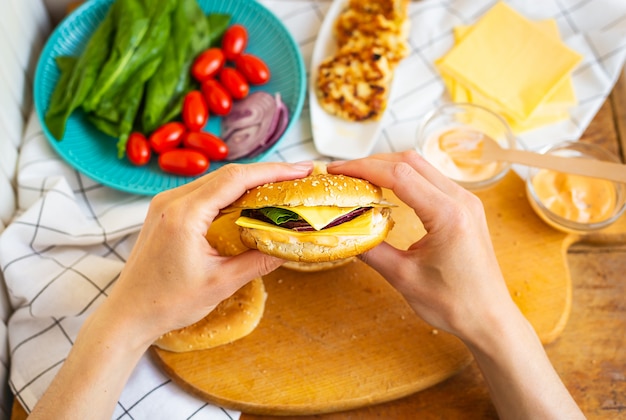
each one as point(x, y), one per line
point(71, 236)
point(595, 29)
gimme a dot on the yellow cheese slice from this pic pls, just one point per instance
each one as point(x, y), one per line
point(510, 60)
point(361, 225)
point(563, 95)
point(319, 216)
point(546, 113)
point(553, 109)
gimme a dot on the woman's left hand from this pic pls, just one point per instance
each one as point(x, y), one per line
point(173, 277)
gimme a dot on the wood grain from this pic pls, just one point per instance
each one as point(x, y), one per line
point(344, 338)
point(328, 341)
point(618, 105)
point(588, 354)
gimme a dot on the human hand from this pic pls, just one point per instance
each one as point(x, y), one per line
point(173, 277)
point(450, 277)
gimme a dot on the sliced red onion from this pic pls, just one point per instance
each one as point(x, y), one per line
point(254, 124)
point(247, 124)
point(282, 117)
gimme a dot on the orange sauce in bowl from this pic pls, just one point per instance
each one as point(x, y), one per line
point(573, 197)
point(456, 152)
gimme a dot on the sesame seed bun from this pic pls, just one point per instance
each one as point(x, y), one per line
point(311, 267)
point(231, 320)
point(316, 190)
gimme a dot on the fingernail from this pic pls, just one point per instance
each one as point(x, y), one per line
point(336, 163)
point(305, 165)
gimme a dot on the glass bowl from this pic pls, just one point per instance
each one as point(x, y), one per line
point(574, 203)
point(447, 136)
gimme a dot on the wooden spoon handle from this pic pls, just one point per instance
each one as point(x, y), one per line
point(571, 165)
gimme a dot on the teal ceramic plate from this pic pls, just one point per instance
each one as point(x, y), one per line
point(94, 154)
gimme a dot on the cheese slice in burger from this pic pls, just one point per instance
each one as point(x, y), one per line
point(319, 218)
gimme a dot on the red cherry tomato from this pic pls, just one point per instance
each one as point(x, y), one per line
point(253, 69)
point(138, 149)
point(195, 110)
point(217, 97)
point(208, 64)
point(210, 145)
point(167, 137)
point(234, 41)
point(234, 82)
point(183, 162)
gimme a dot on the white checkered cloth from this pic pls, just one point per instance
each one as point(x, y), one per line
point(71, 236)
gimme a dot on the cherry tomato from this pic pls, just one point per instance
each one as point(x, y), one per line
point(167, 137)
point(234, 41)
point(195, 110)
point(253, 69)
point(210, 145)
point(234, 82)
point(138, 149)
point(217, 97)
point(207, 64)
point(183, 162)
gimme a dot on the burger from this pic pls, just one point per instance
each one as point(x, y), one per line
point(320, 218)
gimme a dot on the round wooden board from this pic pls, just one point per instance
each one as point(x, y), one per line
point(532, 255)
point(343, 338)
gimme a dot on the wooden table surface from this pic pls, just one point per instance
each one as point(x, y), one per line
point(590, 354)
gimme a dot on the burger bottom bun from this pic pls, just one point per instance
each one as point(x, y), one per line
point(231, 320)
point(290, 248)
point(311, 267)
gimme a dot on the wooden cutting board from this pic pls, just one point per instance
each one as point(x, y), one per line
point(342, 339)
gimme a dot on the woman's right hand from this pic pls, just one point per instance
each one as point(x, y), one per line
point(450, 277)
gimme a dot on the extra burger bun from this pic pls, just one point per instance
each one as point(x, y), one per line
point(231, 320)
point(316, 190)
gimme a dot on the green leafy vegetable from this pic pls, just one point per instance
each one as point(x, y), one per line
point(278, 215)
point(192, 32)
point(136, 54)
point(218, 23)
point(66, 65)
point(131, 26)
point(76, 80)
point(134, 71)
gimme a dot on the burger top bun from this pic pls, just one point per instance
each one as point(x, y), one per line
point(319, 189)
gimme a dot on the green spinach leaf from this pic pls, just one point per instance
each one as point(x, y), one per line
point(78, 79)
point(278, 215)
point(191, 34)
point(121, 97)
point(131, 26)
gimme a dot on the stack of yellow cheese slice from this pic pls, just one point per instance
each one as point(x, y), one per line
point(518, 68)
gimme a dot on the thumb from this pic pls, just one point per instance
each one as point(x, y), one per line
point(388, 261)
point(249, 265)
